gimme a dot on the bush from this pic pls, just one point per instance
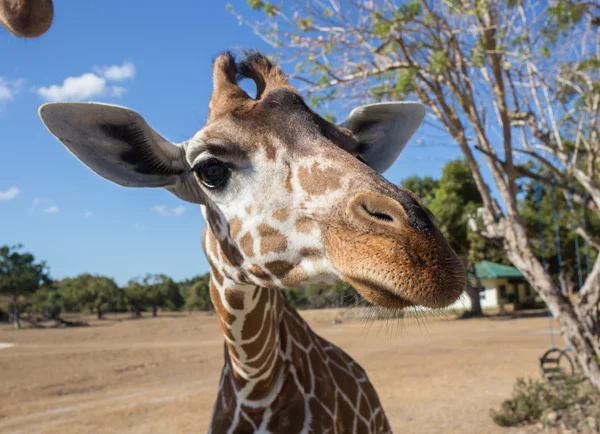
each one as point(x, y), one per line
point(531, 399)
point(48, 302)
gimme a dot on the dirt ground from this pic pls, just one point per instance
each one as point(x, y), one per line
point(160, 375)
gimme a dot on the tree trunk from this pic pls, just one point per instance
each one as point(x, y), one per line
point(16, 317)
point(154, 311)
point(473, 293)
point(99, 313)
point(573, 330)
point(573, 327)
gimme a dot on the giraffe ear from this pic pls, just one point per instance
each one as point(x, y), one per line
point(383, 130)
point(118, 144)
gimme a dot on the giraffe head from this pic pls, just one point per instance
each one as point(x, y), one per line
point(289, 198)
point(26, 18)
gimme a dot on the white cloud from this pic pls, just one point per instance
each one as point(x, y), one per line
point(39, 201)
point(75, 88)
point(117, 91)
point(161, 209)
point(88, 214)
point(168, 212)
point(89, 85)
point(48, 205)
point(116, 72)
point(6, 94)
point(8, 89)
point(179, 210)
point(9, 194)
point(139, 227)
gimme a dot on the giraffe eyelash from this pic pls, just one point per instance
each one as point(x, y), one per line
point(203, 164)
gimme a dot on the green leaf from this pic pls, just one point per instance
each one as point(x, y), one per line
point(408, 11)
point(382, 28)
point(255, 4)
point(270, 9)
point(439, 62)
point(406, 81)
point(329, 117)
point(305, 24)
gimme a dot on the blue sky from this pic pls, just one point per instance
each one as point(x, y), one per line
point(155, 60)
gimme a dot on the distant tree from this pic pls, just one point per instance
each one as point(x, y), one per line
point(567, 228)
point(90, 292)
point(154, 291)
point(455, 200)
point(196, 293)
point(198, 297)
point(296, 297)
point(136, 296)
point(49, 302)
point(424, 188)
point(20, 275)
point(174, 297)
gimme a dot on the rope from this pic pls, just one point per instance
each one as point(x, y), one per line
point(579, 272)
point(557, 236)
point(585, 241)
point(538, 199)
point(558, 253)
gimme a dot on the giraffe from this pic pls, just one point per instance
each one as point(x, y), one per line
point(26, 18)
point(288, 198)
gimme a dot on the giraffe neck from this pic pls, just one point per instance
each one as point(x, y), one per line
point(281, 377)
point(250, 319)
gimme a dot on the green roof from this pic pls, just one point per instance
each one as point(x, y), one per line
point(491, 270)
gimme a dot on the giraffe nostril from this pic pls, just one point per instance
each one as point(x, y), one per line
point(381, 216)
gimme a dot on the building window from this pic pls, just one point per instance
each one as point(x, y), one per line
point(502, 291)
point(527, 289)
point(482, 295)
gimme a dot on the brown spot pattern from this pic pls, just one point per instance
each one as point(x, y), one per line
point(279, 268)
point(257, 271)
point(271, 240)
point(234, 298)
point(235, 226)
point(217, 276)
point(247, 244)
point(317, 180)
point(305, 225)
point(311, 253)
point(281, 214)
point(270, 150)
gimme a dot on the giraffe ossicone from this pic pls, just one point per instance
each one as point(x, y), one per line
point(289, 198)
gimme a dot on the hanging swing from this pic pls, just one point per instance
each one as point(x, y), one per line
point(556, 364)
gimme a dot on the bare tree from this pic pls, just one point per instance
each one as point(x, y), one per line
point(514, 82)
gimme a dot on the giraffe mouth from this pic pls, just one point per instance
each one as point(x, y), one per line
point(379, 295)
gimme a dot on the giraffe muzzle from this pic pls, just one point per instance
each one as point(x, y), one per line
point(391, 250)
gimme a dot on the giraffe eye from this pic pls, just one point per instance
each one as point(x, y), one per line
point(212, 173)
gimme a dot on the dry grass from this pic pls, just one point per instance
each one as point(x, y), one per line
point(433, 375)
